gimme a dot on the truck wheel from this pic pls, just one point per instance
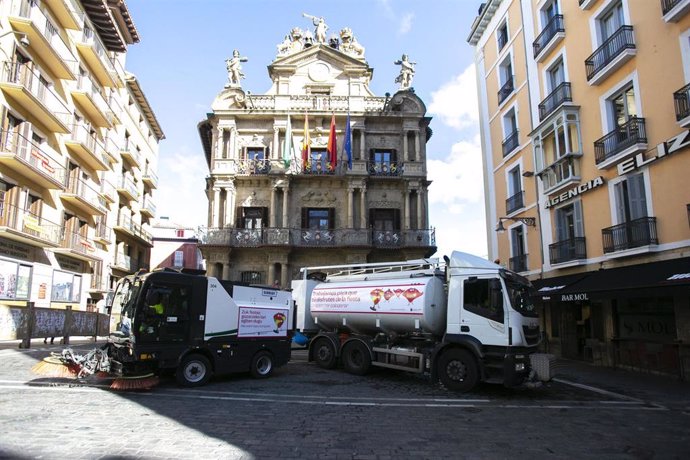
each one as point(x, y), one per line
point(356, 358)
point(262, 365)
point(193, 371)
point(324, 354)
point(457, 370)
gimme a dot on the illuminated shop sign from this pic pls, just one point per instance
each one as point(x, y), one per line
point(575, 191)
point(662, 150)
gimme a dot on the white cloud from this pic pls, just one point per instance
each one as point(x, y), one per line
point(456, 101)
point(406, 24)
point(456, 198)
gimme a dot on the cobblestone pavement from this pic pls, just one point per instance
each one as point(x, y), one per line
point(303, 411)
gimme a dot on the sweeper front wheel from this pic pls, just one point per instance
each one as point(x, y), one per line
point(193, 371)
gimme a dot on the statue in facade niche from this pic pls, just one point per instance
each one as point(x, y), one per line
point(321, 27)
point(406, 72)
point(235, 69)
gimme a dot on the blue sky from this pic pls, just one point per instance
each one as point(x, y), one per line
point(180, 63)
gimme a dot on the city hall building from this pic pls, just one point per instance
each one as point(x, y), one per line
point(318, 170)
point(584, 109)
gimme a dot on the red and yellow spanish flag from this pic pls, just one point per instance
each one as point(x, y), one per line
point(306, 148)
point(332, 145)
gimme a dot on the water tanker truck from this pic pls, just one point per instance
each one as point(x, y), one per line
point(462, 321)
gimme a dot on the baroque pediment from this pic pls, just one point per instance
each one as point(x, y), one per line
point(293, 63)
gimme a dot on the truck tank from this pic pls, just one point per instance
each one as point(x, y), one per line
point(400, 305)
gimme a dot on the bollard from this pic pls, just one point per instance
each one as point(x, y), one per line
point(26, 342)
point(68, 324)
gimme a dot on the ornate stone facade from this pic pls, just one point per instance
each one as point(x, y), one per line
point(274, 208)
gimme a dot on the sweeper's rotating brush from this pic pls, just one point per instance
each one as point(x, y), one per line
point(53, 366)
point(135, 382)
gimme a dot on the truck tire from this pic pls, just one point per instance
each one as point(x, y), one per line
point(356, 358)
point(457, 370)
point(193, 371)
point(324, 354)
point(262, 365)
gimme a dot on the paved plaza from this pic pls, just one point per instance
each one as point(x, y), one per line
point(303, 411)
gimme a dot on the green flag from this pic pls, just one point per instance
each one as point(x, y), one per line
point(288, 147)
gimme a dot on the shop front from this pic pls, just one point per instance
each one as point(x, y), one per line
point(636, 317)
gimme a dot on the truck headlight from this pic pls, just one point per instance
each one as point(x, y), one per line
point(519, 367)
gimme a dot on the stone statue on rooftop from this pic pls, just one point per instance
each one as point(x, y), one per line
point(321, 27)
point(349, 44)
point(235, 69)
point(406, 72)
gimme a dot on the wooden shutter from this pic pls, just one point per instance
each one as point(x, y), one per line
point(636, 194)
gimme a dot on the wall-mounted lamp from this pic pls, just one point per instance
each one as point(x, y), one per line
point(528, 173)
point(529, 221)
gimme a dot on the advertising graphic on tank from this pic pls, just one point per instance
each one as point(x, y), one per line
point(262, 322)
point(393, 298)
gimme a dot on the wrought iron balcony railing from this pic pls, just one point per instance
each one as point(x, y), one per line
point(628, 235)
point(318, 168)
point(256, 166)
point(555, 99)
point(240, 237)
point(515, 202)
point(506, 90)
point(681, 100)
point(518, 263)
point(385, 168)
point(621, 40)
point(511, 142)
point(78, 243)
point(567, 250)
point(554, 26)
point(668, 5)
point(124, 221)
point(630, 133)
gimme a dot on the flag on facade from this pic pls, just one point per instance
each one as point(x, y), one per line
point(288, 147)
point(306, 149)
point(347, 145)
point(332, 145)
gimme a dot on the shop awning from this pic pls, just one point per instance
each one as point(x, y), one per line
point(655, 278)
point(551, 288)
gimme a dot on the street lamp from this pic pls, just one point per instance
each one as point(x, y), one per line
point(529, 221)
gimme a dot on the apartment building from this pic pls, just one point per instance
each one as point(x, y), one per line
point(584, 125)
point(282, 196)
point(78, 153)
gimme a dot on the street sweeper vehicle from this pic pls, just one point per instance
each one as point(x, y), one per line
point(197, 326)
point(194, 326)
point(462, 321)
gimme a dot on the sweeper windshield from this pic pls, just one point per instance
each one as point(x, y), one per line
point(124, 302)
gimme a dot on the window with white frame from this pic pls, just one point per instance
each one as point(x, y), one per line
point(515, 199)
point(502, 35)
point(549, 11)
point(555, 75)
point(15, 280)
point(518, 253)
point(178, 259)
point(557, 150)
point(630, 198)
point(622, 106)
point(569, 221)
point(510, 132)
point(505, 79)
point(610, 21)
point(66, 287)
